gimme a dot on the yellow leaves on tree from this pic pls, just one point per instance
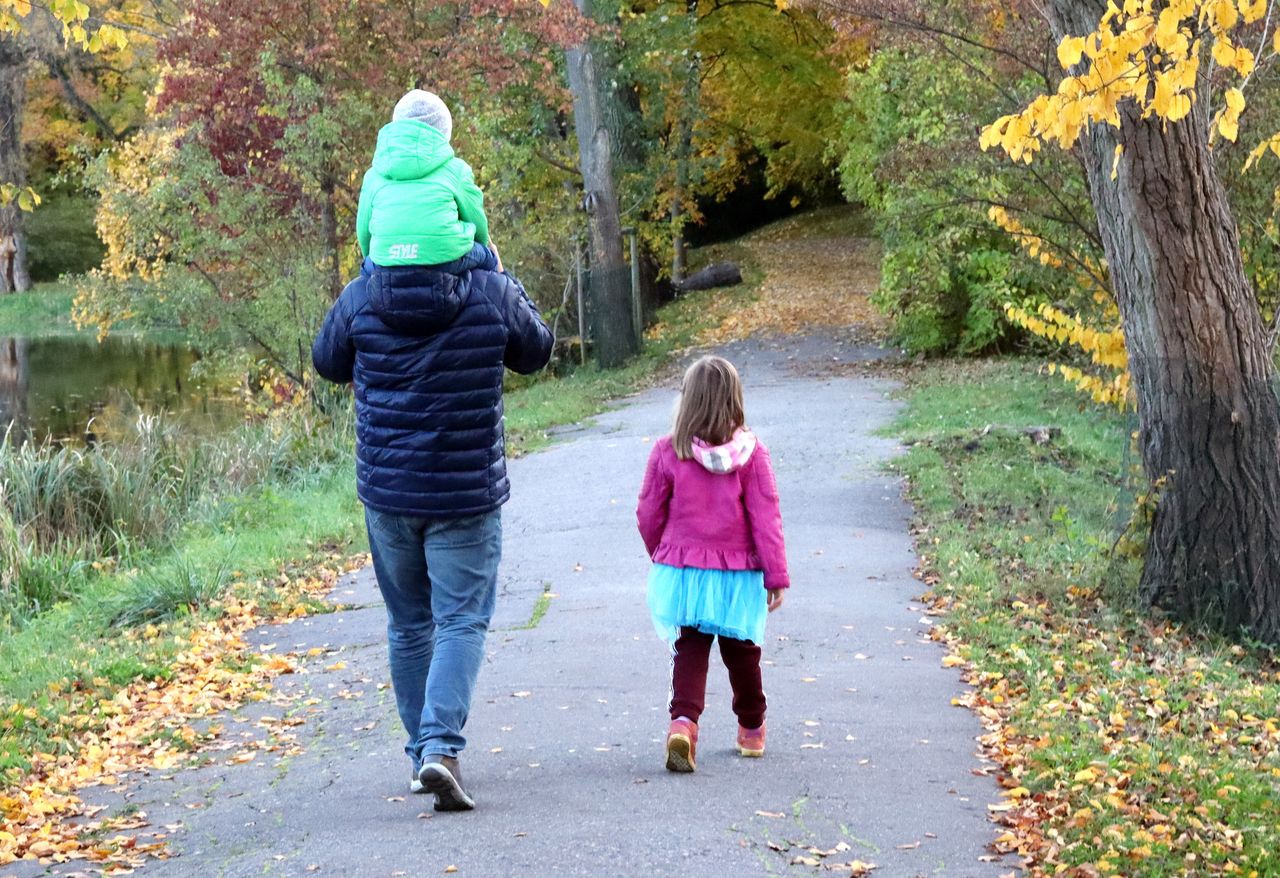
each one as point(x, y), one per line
point(1147, 52)
point(1032, 243)
point(74, 16)
point(28, 199)
point(131, 250)
point(1105, 349)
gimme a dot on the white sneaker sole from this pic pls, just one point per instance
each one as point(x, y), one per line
point(450, 796)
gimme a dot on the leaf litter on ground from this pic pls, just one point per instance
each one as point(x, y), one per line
point(150, 724)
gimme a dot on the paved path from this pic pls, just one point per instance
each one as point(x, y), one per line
point(867, 757)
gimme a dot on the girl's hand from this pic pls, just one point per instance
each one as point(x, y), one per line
point(775, 598)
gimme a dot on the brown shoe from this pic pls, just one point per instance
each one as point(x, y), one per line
point(682, 745)
point(441, 776)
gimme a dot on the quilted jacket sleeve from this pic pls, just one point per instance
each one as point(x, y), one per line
point(529, 341)
point(764, 513)
point(655, 499)
point(332, 353)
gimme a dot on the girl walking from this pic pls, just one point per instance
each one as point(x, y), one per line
point(710, 520)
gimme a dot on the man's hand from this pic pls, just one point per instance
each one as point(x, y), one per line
point(775, 598)
point(496, 255)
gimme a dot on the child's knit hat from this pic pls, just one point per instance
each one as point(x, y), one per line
point(425, 107)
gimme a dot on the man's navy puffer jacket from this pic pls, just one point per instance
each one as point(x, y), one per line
point(426, 351)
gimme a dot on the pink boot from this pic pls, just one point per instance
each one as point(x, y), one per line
point(751, 741)
point(682, 745)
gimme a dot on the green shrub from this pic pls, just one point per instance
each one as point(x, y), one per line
point(909, 151)
point(61, 238)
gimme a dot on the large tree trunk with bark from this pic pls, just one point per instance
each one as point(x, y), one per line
point(1200, 362)
point(615, 338)
point(13, 170)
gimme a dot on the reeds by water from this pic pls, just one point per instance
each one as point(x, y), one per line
point(68, 512)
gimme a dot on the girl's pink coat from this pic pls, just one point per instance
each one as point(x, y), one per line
point(690, 517)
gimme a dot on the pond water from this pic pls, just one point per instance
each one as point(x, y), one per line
point(78, 389)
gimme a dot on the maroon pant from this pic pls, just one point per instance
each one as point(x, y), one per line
point(689, 676)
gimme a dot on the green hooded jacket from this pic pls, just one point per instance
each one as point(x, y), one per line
point(419, 203)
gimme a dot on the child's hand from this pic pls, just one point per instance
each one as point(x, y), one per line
point(775, 598)
point(496, 255)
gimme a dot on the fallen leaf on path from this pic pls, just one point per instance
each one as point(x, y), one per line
point(108, 731)
point(774, 814)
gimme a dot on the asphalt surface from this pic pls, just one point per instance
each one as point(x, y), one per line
point(867, 758)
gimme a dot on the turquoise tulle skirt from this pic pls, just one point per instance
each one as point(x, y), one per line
point(728, 603)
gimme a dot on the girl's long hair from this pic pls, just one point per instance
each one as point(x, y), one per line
point(710, 405)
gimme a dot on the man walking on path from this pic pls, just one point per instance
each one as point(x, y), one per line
point(425, 350)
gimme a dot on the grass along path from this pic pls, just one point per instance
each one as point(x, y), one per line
point(1129, 746)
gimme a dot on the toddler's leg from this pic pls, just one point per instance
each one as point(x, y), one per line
point(742, 659)
point(479, 256)
point(689, 658)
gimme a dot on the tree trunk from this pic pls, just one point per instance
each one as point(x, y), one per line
point(720, 274)
point(329, 233)
point(684, 145)
point(13, 170)
point(615, 338)
point(1200, 363)
point(13, 385)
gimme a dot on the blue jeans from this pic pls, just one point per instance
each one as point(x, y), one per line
point(439, 580)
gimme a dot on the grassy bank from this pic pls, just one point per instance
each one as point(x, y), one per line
point(1128, 745)
point(43, 312)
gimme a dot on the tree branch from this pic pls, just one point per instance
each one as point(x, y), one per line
point(925, 27)
point(556, 163)
point(58, 67)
